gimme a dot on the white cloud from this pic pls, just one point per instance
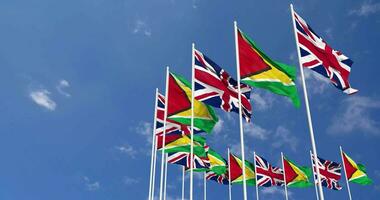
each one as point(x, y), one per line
point(262, 100)
point(61, 86)
point(218, 126)
point(127, 149)
point(315, 82)
point(275, 191)
point(41, 97)
point(255, 131)
point(283, 137)
point(366, 8)
point(355, 114)
point(130, 181)
point(141, 27)
point(328, 33)
point(91, 186)
point(145, 129)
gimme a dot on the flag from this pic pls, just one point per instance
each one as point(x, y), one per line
point(172, 127)
point(221, 179)
point(296, 176)
point(355, 173)
point(218, 164)
point(215, 87)
point(236, 171)
point(267, 175)
point(329, 172)
point(317, 55)
point(182, 143)
point(258, 70)
point(200, 162)
point(179, 107)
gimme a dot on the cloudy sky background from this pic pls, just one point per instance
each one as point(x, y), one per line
point(78, 80)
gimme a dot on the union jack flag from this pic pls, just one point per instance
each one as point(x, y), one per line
point(172, 127)
point(317, 55)
point(215, 87)
point(184, 159)
point(330, 173)
point(267, 175)
point(221, 179)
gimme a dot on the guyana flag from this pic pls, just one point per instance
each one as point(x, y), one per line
point(258, 70)
point(236, 171)
point(297, 176)
point(355, 173)
point(218, 164)
point(179, 106)
point(183, 144)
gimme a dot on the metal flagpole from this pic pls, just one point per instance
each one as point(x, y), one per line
point(183, 182)
point(283, 167)
point(154, 166)
point(314, 148)
point(166, 175)
point(315, 181)
point(345, 173)
point(257, 187)
point(153, 146)
point(204, 187)
point(229, 175)
point(164, 133)
point(192, 121)
point(240, 112)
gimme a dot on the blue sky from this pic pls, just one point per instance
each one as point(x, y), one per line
point(78, 80)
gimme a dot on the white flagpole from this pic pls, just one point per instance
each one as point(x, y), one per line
point(166, 175)
point(154, 167)
point(151, 188)
point(204, 187)
point(192, 121)
point(183, 182)
point(315, 181)
point(229, 175)
point(345, 173)
point(314, 148)
point(257, 186)
point(283, 168)
point(164, 133)
point(240, 112)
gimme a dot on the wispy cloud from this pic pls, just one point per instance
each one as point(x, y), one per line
point(256, 131)
point(218, 126)
point(127, 149)
point(316, 83)
point(63, 84)
point(145, 129)
point(270, 191)
point(130, 180)
point(283, 137)
point(262, 100)
point(355, 114)
point(141, 27)
point(91, 186)
point(41, 97)
point(366, 8)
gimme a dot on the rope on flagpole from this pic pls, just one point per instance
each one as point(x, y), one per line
point(153, 148)
point(345, 173)
point(240, 112)
point(310, 123)
point(164, 133)
point(183, 182)
point(285, 184)
point(257, 186)
point(204, 187)
point(166, 175)
point(192, 121)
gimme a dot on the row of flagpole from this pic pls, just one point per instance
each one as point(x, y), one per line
point(163, 177)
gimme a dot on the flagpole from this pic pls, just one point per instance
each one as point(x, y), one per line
point(151, 188)
point(315, 181)
point(204, 186)
point(183, 182)
point(283, 167)
point(257, 187)
point(164, 133)
point(192, 121)
point(240, 112)
point(154, 166)
point(314, 148)
point(229, 175)
point(166, 175)
point(345, 173)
